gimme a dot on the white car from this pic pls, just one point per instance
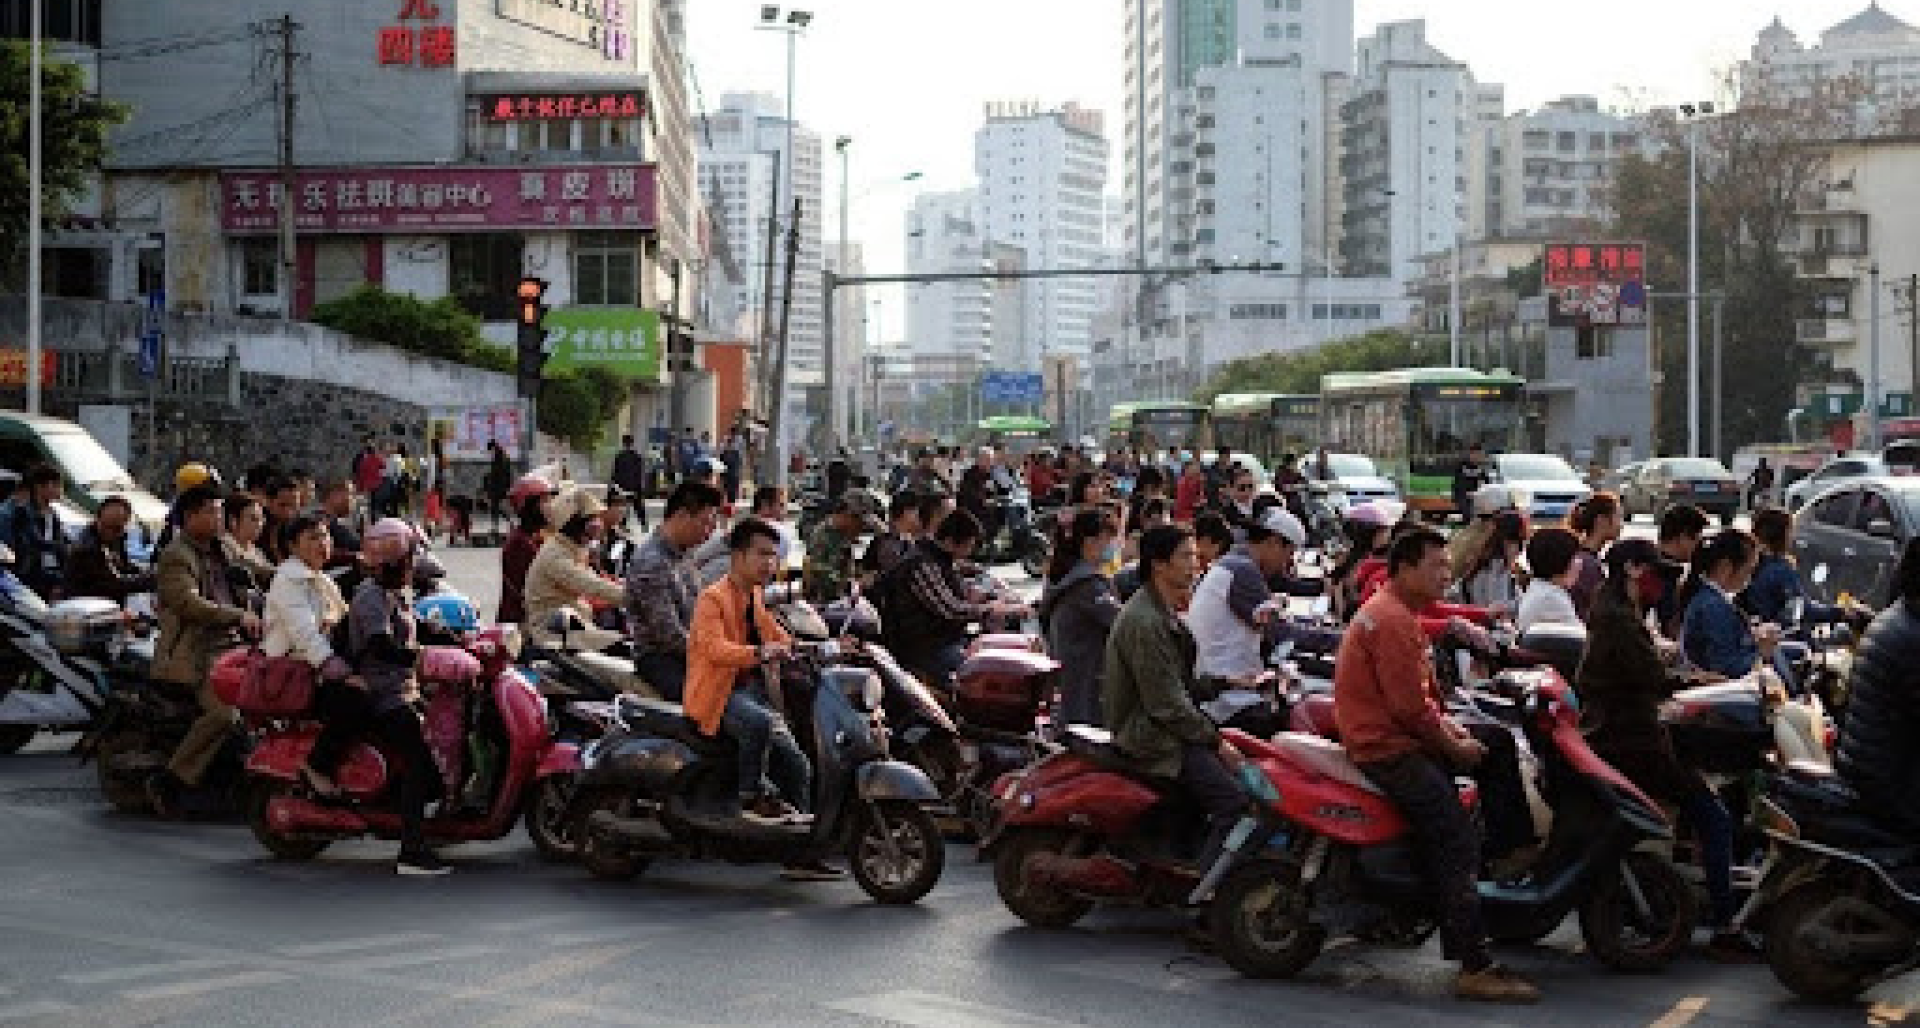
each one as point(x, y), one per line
point(1852, 465)
point(1356, 480)
point(1550, 483)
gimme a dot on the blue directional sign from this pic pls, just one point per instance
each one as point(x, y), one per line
point(152, 329)
point(1012, 387)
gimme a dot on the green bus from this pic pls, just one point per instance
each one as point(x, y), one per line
point(1158, 426)
point(1417, 423)
point(1267, 425)
point(1017, 434)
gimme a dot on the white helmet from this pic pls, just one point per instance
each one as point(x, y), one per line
point(1494, 498)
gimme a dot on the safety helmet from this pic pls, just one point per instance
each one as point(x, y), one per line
point(193, 475)
point(528, 485)
point(389, 541)
point(575, 502)
point(1368, 513)
point(450, 611)
point(1491, 499)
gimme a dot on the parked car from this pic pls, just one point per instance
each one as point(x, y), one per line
point(1551, 483)
point(1356, 479)
point(1852, 465)
point(1665, 481)
point(1617, 480)
point(1857, 528)
point(91, 473)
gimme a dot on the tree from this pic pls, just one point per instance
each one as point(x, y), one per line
point(73, 132)
point(432, 328)
point(1758, 167)
point(1300, 371)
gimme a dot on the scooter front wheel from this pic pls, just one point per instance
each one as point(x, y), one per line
point(260, 795)
point(547, 822)
point(1640, 914)
point(1811, 974)
point(897, 852)
point(1261, 921)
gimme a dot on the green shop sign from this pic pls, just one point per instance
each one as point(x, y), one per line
point(623, 340)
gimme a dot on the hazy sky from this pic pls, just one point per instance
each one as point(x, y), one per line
point(907, 80)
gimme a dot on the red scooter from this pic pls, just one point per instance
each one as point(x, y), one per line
point(1326, 853)
point(467, 728)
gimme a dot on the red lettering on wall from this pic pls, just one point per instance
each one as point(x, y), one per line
point(424, 10)
point(395, 46)
point(438, 47)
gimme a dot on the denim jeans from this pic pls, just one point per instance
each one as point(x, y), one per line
point(770, 760)
point(1714, 828)
point(1448, 845)
point(666, 672)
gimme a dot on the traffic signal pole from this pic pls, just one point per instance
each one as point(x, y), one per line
point(530, 353)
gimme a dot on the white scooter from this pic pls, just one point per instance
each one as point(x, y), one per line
point(59, 661)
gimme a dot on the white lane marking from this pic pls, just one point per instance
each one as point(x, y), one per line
point(39, 1008)
point(205, 985)
point(419, 958)
point(138, 971)
point(604, 935)
point(327, 949)
point(932, 1010)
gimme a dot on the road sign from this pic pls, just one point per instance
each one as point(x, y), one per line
point(1012, 387)
point(152, 330)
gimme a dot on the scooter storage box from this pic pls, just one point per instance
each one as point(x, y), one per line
point(1561, 646)
point(1720, 729)
point(83, 625)
point(1001, 689)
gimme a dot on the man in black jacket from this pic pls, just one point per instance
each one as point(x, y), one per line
point(1877, 755)
point(630, 475)
point(99, 565)
point(928, 606)
point(33, 530)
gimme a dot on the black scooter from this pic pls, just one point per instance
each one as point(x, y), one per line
point(655, 786)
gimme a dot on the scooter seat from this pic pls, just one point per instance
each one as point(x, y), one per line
point(613, 672)
point(1090, 741)
point(1323, 757)
point(667, 720)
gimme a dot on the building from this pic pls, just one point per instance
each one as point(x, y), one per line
point(1877, 49)
point(1552, 170)
point(947, 234)
point(1865, 218)
point(436, 150)
point(742, 143)
point(1043, 177)
point(850, 333)
point(1407, 130)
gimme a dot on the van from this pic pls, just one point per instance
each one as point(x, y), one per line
point(91, 473)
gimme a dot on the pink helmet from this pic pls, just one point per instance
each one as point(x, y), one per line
point(528, 485)
point(389, 541)
point(448, 665)
point(1368, 513)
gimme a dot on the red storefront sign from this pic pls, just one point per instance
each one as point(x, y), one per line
point(1595, 284)
point(532, 106)
point(13, 366)
point(460, 199)
point(430, 46)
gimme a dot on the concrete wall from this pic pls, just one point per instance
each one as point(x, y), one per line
point(1611, 398)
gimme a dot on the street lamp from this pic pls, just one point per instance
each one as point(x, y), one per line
point(795, 23)
point(1693, 112)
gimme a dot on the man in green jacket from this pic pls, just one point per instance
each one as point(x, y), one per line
point(1147, 697)
point(198, 617)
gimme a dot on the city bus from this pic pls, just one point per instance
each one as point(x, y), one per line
point(1016, 434)
point(1266, 425)
point(1417, 423)
point(1159, 426)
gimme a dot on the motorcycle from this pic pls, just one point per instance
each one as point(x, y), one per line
point(1840, 893)
point(1021, 537)
point(59, 663)
point(656, 786)
point(507, 718)
point(1325, 853)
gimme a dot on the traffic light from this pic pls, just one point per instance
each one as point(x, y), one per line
point(532, 339)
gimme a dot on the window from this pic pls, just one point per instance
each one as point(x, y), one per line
point(1293, 31)
point(483, 272)
point(1273, 32)
point(1873, 507)
point(1567, 142)
point(606, 269)
point(1258, 312)
point(260, 267)
point(1836, 510)
point(1592, 344)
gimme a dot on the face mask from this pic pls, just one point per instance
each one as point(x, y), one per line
point(1650, 589)
point(1110, 553)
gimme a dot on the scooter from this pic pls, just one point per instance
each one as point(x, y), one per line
point(512, 720)
point(656, 786)
point(1840, 896)
point(1020, 540)
point(1325, 852)
point(59, 663)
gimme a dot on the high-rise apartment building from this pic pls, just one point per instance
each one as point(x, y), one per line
point(946, 234)
point(1553, 169)
point(742, 144)
point(1043, 176)
point(1879, 51)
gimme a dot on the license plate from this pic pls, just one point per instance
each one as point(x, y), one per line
point(1706, 487)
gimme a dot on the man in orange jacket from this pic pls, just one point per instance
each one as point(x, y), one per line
point(729, 646)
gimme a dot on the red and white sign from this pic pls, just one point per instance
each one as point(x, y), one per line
point(531, 106)
point(13, 366)
point(457, 199)
point(429, 45)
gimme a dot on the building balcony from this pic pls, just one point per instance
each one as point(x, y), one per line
point(1838, 261)
point(1824, 332)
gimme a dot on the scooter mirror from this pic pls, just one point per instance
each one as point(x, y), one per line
point(1820, 575)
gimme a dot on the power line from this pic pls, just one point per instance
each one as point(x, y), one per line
point(160, 46)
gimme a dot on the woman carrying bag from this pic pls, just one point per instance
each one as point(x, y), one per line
point(303, 607)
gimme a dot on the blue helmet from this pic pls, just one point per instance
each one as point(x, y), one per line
point(450, 611)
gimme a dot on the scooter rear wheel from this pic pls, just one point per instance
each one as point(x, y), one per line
point(259, 796)
point(605, 858)
point(14, 737)
point(1043, 906)
point(1799, 967)
point(918, 853)
point(125, 789)
point(1261, 921)
point(1615, 930)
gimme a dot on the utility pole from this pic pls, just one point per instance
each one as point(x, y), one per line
point(1873, 357)
point(285, 27)
point(766, 303)
point(1719, 393)
point(1913, 345)
point(777, 451)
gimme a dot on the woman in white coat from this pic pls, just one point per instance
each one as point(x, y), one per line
point(303, 606)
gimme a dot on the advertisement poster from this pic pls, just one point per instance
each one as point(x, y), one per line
point(465, 431)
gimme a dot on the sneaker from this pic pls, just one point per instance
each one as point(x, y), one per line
point(811, 871)
point(1734, 947)
point(767, 810)
point(163, 794)
point(425, 864)
point(1494, 984)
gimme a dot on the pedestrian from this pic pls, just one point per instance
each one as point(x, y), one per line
point(1759, 485)
point(499, 481)
point(1472, 473)
point(630, 476)
point(733, 457)
point(369, 469)
point(433, 473)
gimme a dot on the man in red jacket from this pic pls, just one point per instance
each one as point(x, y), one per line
point(1388, 706)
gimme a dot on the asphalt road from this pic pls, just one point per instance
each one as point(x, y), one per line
point(109, 921)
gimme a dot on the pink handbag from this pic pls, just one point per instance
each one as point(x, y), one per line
point(253, 683)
